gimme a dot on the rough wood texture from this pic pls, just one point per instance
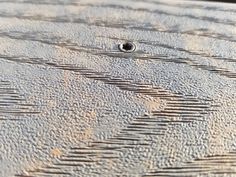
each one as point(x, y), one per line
point(72, 104)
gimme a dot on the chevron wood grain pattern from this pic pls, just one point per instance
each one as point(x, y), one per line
point(73, 104)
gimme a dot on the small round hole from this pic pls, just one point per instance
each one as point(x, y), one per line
point(127, 47)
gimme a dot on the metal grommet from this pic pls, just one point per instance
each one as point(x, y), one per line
point(127, 47)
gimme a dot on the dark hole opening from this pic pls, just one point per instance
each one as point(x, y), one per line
point(127, 46)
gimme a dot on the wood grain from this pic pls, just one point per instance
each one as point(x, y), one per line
point(73, 104)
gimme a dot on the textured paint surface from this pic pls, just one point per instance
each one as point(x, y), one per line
point(72, 104)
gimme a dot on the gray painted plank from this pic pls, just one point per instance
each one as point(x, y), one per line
point(73, 104)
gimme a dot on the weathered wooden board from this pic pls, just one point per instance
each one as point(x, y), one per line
point(72, 104)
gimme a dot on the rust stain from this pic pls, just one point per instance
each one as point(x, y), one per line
point(56, 152)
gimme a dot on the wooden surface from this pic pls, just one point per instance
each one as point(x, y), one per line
point(72, 104)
